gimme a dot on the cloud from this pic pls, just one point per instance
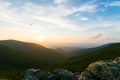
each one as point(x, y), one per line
point(52, 17)
point(91, 8)
point(5, 4)
point(59, 19)
point(115, 3)
point(37, 15)
point(66, 10)
point(60, 1)
point(97, 35)
point(6, 14)
point(83, 18)
point(48, 17)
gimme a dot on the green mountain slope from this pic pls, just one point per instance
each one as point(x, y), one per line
point(80, 51)
point(27, 55)
point(13, 58)
point(17, 56)
point(79, 63)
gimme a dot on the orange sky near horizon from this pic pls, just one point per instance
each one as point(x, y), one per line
point(60, 22)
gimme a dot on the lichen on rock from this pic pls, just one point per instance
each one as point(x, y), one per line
point(102, 70)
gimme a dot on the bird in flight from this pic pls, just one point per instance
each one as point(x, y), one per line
point(31, 24)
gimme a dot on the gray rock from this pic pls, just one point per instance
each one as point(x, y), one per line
point(61, 74)
point(35, 74)
point(57, 74)
point(102, 70)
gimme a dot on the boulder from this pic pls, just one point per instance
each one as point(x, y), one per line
point(35, 74)
point(57, 74)
point(102, 70)
point(62, 74)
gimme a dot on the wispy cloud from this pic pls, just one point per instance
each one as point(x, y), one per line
point(97, 35)
point(83, 18)
point(60, 1)
point(115, 3)
point(112, 4)
point(61, 17)
point(51, 16)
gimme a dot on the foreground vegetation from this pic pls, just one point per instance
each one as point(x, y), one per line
point(16, 57)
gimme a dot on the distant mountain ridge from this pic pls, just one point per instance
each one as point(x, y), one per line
point(80, 51)
point(77, 51)
point(105, 52)
point(19, 54)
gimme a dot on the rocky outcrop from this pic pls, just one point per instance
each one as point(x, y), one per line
point(61, 74)
point(103, 70)
point(35, 74)
point(57, 74)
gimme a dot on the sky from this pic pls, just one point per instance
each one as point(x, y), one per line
point(60, 22)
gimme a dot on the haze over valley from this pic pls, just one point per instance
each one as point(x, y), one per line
point(59, 39)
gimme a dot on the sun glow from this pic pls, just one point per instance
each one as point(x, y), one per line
point(40, 39)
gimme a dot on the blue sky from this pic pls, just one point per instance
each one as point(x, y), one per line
point(60, 22)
